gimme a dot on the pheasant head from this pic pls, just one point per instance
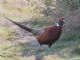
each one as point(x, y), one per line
point(61, 21)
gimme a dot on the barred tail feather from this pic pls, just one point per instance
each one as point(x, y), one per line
point(22, 26)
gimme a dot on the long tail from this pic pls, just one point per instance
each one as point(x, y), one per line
point(22, 26)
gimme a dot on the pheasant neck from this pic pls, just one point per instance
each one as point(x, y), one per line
point(57, 24)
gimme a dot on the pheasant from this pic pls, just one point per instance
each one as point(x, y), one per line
point(47, 35)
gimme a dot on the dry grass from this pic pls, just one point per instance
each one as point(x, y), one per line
point(6, 33)
point(66, 48)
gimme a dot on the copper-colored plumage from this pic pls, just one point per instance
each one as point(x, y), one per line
point(47, 35)
point(50, 35)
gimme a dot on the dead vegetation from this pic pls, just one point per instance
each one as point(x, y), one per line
point(17, 44)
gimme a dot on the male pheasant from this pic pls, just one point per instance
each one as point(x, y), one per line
point(47, 35)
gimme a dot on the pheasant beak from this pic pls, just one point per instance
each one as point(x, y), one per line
point(63, 19)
